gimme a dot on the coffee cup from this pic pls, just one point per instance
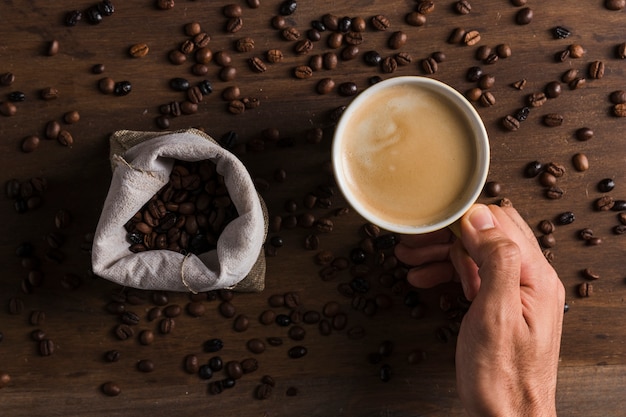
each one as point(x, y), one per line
point(410, 154)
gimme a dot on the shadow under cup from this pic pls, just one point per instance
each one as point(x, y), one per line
point(411, 155)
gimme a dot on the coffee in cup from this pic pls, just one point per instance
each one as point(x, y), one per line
point(410, 154)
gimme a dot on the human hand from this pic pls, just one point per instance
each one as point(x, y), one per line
point(508, 345)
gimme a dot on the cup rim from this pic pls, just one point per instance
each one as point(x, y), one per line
point(482, 148)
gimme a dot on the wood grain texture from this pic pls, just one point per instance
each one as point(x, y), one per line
point(335, 377)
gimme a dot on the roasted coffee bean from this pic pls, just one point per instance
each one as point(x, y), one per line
point(584, 134)
point(553, 119)
point(205, 372)
point(554, 193)
point(483, 52)
point(167, 325)
point(473, 74)
point(257, 65)
point(213, 345)
point(297, 352)
point(124, 331)
point(619, 205)
point(122, 88)
point(510, 123)
point(232, 10)
point(429, 65)
point(380, 22)
point(7, 109)
point(17, 96)
point(233, 25)
point(146, 337)
point(471, 38)
point(263, 391)
point(389, 65)
point(348, 89)
point(241, 323)
point(139, 50)
point(519, 84)
point(179, 84)
point(372, 58)
point(111, 389)
point(290, 34)
point(274, 56)
point(536, 99)
point(524, 16)
point(578, 82)
point(576, 51)
point(580, 162)
point(596, 70)
point(49, 93)
point(325, 86)
point(491, 59)
point(282, 320)
point(559, 32)
point(618, 97)
point(350, 52)
point(555, 169)
point(106, 85)
point(130, 318)
point(487, 99)
point(565, 218)
point(303, 71)
point(112, 356)
point(7, 78)
point(288, 7)
point(415, 19)
point(255, 345)
point(615, 4)
point(569, 75)
point(585, 289)
point(463, 7)
point(73, 17)
point(522, 114)
point(145, 365)
point(553, 89)
point(385, 373)
point(606, 185)
point(397, 40)
point(619, 110)
point(604, 203)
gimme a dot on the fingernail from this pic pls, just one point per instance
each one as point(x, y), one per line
point(480, 218)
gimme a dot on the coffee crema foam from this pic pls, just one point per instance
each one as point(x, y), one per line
point(409, 155)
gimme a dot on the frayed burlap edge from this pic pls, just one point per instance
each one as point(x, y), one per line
point(122, 140)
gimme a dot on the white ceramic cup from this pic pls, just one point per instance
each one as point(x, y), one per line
point(473, 131)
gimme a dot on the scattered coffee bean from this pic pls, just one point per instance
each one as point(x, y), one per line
point(524, 16)
point(471, 38)
point(584, 134)
point(604, 203)
point(566, 218)
point(553, 119)
point(559, 32)
point(596, 70)
point(297, 352)
point(606, 185)
point(111, 389)
point(380, 22)
point(580, 162)
point(585, 289)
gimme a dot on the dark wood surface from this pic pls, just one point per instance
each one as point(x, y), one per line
point(335, 377)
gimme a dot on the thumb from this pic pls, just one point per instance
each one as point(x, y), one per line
point(496, 255)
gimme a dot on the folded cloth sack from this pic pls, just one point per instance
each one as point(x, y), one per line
point(141, 164)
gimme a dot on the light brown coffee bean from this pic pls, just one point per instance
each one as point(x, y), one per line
point(139, 50)
point(471, 38)
point(580, 162)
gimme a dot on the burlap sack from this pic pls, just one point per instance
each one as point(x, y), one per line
point(141, 164)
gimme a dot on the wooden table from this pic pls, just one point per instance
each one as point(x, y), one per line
point(335, 377)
